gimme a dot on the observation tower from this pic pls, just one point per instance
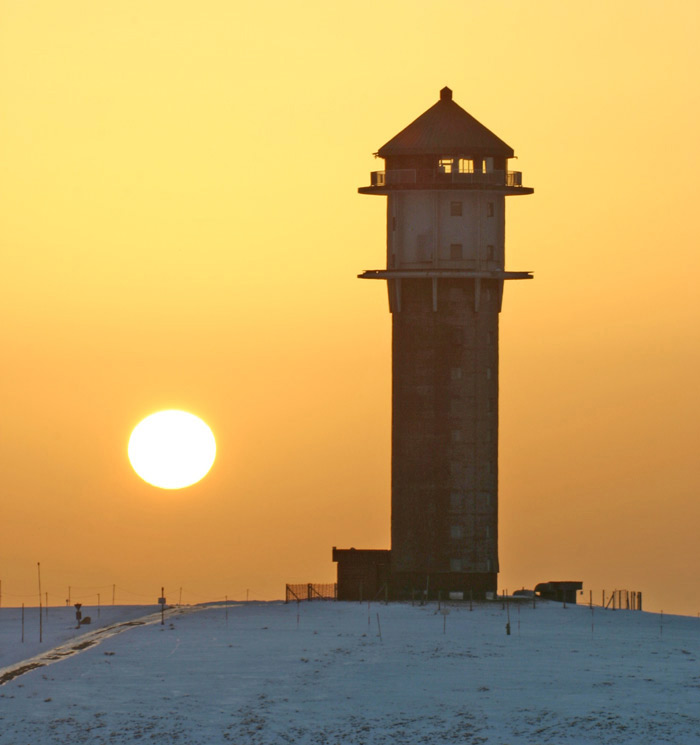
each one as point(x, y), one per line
point(446, 178)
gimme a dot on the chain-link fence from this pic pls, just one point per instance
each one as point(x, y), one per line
point(310, 591)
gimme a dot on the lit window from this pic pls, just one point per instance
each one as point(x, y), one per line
point(466, 165)
point(445, 165)
point(455, 251)
point(455, 209)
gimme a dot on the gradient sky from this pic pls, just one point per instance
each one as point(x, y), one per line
point(180, 228)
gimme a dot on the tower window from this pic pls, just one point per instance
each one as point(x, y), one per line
point(455, 209)
point(455, 565)
point(466, 165)
point(489, 209)
point(455, 251)
point(456, 373)
point(456, 435)
point(456, 531)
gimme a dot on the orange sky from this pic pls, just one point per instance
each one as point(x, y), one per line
point(180, 227)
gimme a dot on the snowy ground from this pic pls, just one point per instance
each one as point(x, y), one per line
point(320, 673)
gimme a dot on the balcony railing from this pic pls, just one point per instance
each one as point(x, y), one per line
point(436, 176)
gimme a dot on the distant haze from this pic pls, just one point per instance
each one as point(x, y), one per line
point(181, 229)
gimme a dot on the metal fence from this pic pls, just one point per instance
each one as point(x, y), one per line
point(310, 591)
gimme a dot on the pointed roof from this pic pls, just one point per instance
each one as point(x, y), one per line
point(446, 129)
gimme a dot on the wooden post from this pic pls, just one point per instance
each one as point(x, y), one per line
point(507, 615)
point(22, 623)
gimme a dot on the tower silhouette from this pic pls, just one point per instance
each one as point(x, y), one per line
point(446, 178)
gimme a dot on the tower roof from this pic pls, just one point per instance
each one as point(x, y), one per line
point(446, 129)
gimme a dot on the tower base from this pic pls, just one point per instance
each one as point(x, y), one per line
point(367, 575)
point(413, 585)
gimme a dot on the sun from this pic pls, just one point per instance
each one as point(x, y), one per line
point(172, 449)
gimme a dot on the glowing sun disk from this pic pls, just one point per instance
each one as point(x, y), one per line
point(172, 449)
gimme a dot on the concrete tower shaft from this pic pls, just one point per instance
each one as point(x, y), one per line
point(446, 180)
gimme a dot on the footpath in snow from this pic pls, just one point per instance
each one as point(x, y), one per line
point(319, 672)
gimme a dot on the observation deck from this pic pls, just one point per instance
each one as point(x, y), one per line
point(383, 182)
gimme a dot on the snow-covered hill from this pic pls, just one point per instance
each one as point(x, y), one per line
point(321, 673)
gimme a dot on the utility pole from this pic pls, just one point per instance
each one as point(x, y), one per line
point(41, 624)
